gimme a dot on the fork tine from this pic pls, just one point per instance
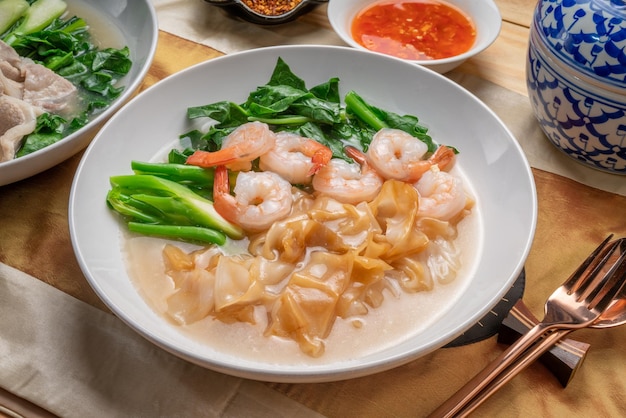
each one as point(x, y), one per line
point(591, 261)
point(567, 309)
point(590, 283)
point(600, 299)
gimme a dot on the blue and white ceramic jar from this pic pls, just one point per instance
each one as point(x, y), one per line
point(576, 78)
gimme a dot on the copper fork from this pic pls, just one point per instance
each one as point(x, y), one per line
point(576, 304)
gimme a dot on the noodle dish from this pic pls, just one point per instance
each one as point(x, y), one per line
point(304, 222)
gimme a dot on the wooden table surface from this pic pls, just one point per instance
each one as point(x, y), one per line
point(34, 238)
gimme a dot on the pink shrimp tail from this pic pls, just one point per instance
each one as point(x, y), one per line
point(356, 155)
point(223, 202)
point(443, 157)
point(211, 159)
point(320, 158)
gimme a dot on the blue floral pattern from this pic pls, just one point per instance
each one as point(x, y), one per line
point(589, 35)
point(587, 127)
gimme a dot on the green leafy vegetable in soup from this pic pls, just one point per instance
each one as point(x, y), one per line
point(45, 33)
point(285, 104)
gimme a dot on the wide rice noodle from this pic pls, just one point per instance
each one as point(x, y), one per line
point(327, 260)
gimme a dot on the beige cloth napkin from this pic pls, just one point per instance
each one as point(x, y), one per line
point(203, 23)
point(77, 361)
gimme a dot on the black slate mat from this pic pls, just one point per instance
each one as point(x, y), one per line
point(489, 324)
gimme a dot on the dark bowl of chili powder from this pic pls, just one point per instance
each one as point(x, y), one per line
point(267, 12)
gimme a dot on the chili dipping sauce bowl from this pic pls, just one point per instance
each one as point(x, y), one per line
point(484, 15)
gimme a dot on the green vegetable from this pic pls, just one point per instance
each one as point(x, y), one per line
point(286, 104)
point(358, 106)
point(376, 119)
point(49, 129)
point(185, 233)
point(181, 173)
point(38, 16)
point(198, 179)
point(10, 12)
point(149, 199)
point(133, 208)
point(164, 199)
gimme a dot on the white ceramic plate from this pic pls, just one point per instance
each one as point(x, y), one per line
point(136, 21)
point(484, 14)
point(151, 122)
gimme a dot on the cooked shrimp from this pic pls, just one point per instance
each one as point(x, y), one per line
point(260, 198)
point(398, 155)
point(441, 194)
point(246, 143)
point(295, 158)
point(348, 183)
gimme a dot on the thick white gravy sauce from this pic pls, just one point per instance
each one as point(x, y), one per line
point(396, 320)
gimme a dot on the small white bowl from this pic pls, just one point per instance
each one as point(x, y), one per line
point(484, 14)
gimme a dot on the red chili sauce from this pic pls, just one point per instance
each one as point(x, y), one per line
point(414, 29)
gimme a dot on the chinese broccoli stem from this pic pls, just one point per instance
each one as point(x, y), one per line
point(186, 233)
point(10, 12)
point(37, 17)
point(131, 207)
point(288, 120)
point(357, 105)
point(184, 204)
point(180, 173)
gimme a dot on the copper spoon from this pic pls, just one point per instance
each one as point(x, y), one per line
point(614, 316)
point(578, 303)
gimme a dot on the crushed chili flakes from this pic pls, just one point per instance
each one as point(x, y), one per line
point(271, 7)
